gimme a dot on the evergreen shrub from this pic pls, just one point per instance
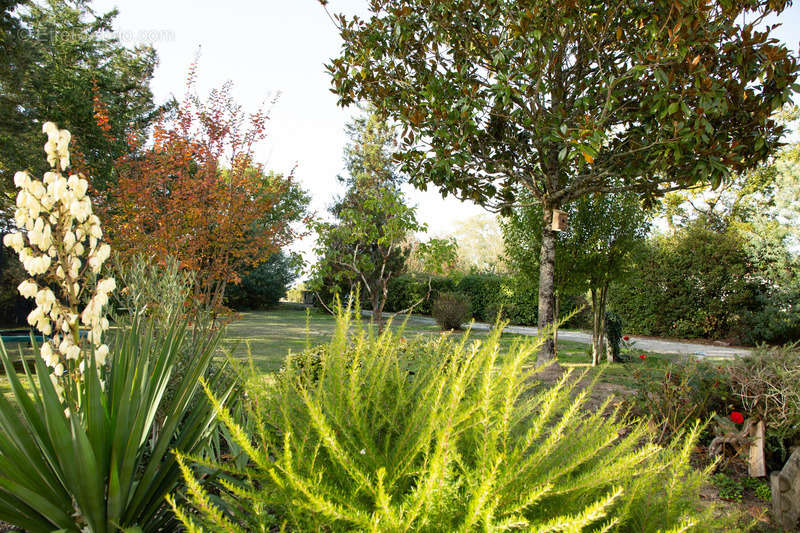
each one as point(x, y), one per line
point(485, 293)
point(700, 283)
point(434, 435)
point(263, 286)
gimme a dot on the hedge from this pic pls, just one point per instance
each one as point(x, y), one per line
point(696, 287)
point(487, 294)
point(703, 284)
point(408, 289)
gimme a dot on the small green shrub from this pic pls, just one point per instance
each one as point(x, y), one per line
point(163, 294)
point(614, 334)
point(160, 292)
point(305, 365)
point(439, 436)
point(762, 490)
point(729, 489)
point(451, 310)
point(733, 489)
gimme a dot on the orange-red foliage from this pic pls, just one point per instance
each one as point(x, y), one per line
point(100, 112)
point(198, 195)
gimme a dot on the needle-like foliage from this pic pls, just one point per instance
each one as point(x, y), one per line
point(435, 435)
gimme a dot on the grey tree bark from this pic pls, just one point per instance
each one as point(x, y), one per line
point(547, 259)
point(378, 303)
point(598, 322)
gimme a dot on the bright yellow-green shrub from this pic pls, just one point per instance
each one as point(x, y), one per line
point(438, 436)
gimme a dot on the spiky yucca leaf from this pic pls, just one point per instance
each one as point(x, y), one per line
point(108, 466)
point(435, 436)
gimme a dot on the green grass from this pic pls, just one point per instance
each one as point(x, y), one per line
point(268, 336)
point(13, 349)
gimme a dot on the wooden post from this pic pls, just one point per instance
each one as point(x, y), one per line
point(757, 466)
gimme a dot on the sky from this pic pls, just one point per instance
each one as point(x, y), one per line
point(281, 46)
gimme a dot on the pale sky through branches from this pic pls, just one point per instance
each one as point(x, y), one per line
point(272, 46)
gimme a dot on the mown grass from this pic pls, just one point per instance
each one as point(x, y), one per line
point(268, 336)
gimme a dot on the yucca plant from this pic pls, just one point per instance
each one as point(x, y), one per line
point(88, 445)
point(438, 436)
point(108, 465)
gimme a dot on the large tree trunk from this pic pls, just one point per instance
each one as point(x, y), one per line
point(547, 259)
point(597, 337)
point(599, 324)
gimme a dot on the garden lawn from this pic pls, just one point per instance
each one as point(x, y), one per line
point(268, 336)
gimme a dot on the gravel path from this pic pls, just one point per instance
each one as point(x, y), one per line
point(644, 343)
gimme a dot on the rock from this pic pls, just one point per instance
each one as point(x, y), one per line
point(786, 493)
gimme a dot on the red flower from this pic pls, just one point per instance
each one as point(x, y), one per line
point(626, 338)
point(643, 357)
point(736, 417)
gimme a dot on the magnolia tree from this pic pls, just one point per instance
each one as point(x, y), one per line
point(59, 243)
point(561, 100)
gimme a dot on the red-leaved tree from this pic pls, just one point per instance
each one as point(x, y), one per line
point(196, 193)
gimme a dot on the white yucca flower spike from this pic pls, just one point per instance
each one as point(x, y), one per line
point(57, 228)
